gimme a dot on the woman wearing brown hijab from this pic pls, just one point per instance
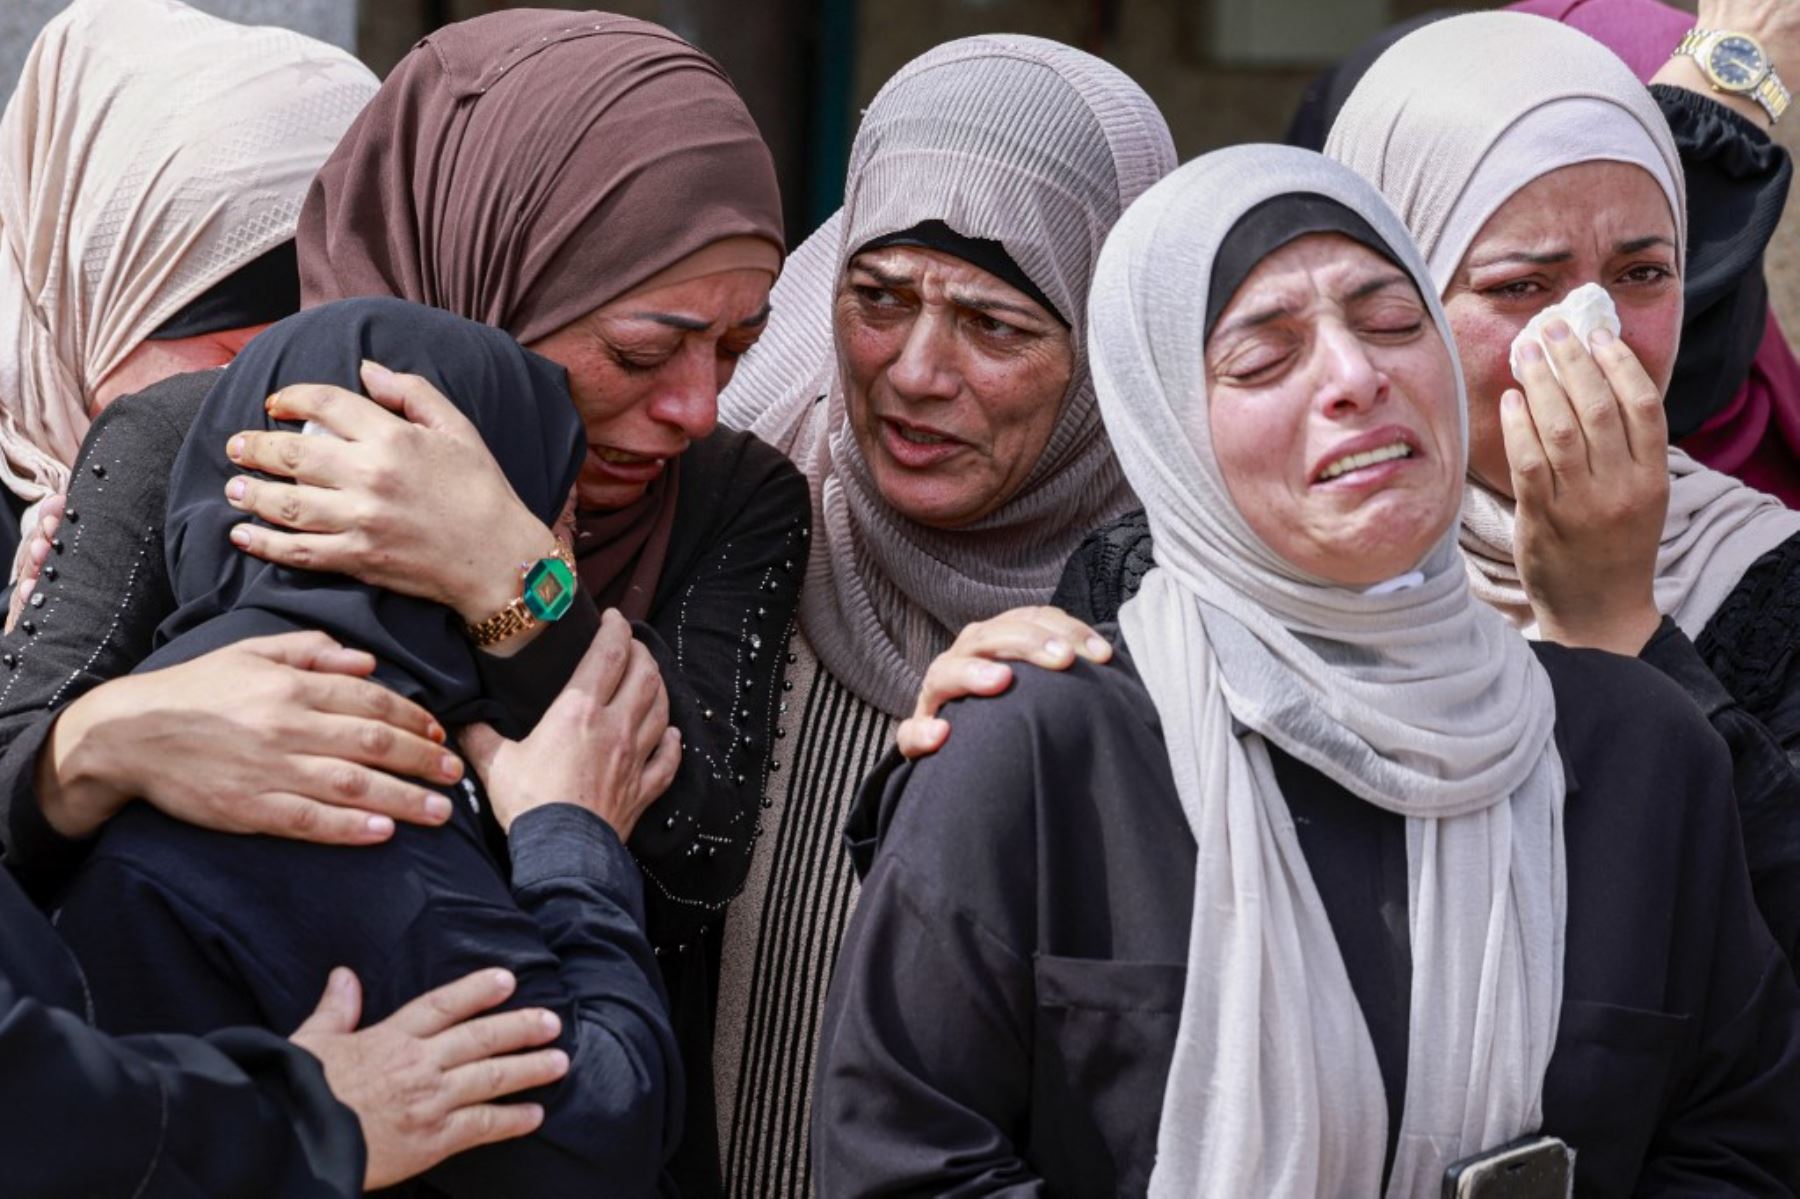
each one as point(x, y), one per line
point(593, 186)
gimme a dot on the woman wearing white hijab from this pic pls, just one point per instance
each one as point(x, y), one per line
point(1329, 879)
point(129, 194)
point(924, 367)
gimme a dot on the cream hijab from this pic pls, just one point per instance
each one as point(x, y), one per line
point(149, 151)
point(1418, 700)
point(1450, 123)
point(1013, 139)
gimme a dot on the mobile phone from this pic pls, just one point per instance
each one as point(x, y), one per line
point(1528, 1168)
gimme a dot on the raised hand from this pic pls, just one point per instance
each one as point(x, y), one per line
point(1590, 473)
point(390, 499)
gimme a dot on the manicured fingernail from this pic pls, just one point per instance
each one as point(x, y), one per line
point(1556, 330)
point(240, 536)
point(437, 807)
point(340, 980)
point(989, 672)
point(502, 979)
point(374, 372)
point(559, 1061)
point(234, 449)
point(380, 826)
point(1056, 648)
point(1601, 336)
point(1531, 352)
point(234, 490)
point(1512, 401)
point(1097, 646)
point(450, 766)
point(551, 1021)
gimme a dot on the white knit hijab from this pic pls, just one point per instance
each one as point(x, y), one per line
point(1450, 124)
point(1013, 139)
point(1420, 701)
point(149, 151)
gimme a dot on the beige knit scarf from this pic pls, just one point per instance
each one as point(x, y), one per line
point(1015, 139)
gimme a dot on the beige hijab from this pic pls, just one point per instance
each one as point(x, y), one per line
point(149, 151)
point(1450, 123)
point(1418, 700)
point(1013, 139)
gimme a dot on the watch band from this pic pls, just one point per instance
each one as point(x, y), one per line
point(1769, 92)
point(1773, 95)
point(517, 616)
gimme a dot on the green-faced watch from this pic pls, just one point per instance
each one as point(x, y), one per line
point(1736, 63)
point(547, 592)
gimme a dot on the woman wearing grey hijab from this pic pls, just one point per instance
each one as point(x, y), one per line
point(1330, 880)
point(925, 369)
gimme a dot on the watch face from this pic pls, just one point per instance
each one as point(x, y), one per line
point(1736, 63)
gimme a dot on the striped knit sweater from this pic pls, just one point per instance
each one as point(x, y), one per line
point(782, 933)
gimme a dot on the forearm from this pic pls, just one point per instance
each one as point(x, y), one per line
point(616, 1114)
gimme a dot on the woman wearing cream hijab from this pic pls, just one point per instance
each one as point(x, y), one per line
point(153, 161)
point(1331, 881)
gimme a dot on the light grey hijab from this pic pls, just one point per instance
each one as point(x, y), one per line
point(1013, 139)
point(1450, 123)
point(1421, 701)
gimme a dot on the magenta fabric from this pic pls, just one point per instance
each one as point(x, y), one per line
point(1756, 437)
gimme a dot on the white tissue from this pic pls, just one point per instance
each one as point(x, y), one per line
point(313, 428)
point(1586, 309)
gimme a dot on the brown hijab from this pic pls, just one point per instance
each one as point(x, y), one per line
point(527, 167)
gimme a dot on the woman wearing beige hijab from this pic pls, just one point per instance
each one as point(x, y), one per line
point(1331, 882)
point(153, 160)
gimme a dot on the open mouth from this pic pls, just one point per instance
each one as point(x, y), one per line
point(919, 436)
point(1365, 459)
point(620, 457)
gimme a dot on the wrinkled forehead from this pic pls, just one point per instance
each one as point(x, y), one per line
point(998, 148)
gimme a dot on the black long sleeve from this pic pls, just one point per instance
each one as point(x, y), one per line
point(238, 1112)
point(1737, 182)
point(97, 607)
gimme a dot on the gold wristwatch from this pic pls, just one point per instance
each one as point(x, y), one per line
point(1737, 63)
point(547, 590)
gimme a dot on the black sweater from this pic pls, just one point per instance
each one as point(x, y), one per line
point(1004, 1009)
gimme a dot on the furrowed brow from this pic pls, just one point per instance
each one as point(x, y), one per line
point(1638, 245)
point(1381, 283)
point(1552, 258)
point(1252, 320)
point(995, 304)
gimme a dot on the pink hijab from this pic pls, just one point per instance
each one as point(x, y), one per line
point(1756, 437)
